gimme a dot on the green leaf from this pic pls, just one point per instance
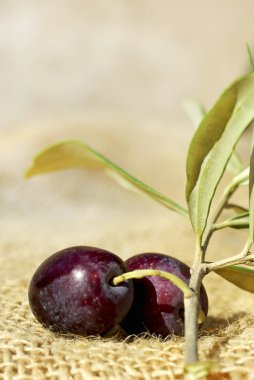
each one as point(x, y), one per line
point(75, 154)
point(239, 276)
point(237, 208)
point(250, 57)
point(212, 147)
point(242, 178)
point(240, 221)
point(234, 165)
point(196, 112)
point(251, 192)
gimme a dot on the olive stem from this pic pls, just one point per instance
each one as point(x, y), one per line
point(191, 307)
point(228, 192)
point(140, 273)
point(226, 195)
point(194, 368)
point(240, 258)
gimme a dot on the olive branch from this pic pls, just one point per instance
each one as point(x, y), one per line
point(212, 152)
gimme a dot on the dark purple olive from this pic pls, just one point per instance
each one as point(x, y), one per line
point(71, 291)
point(158, 305)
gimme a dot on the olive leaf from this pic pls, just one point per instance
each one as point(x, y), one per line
point(239, 276)
point(196, 112)
point(235, 164)
point(212, 146)
point(237, 208)
point(240, 221)
point(249, 52)
point(241, 179)
point(75, 154)
point(251, 192)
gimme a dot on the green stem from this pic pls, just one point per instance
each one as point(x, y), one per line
point(191, 307)
point(198, 256)
point(140, 273)
point(240, 258)
point(198, 272)
point(228, 192)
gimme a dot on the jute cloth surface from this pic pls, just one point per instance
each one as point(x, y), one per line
point(49, 213)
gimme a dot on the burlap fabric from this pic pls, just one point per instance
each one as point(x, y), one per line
point(48, 213)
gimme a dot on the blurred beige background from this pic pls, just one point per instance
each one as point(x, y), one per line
point(132, 56)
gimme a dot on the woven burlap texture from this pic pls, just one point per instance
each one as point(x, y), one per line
point(48, 213)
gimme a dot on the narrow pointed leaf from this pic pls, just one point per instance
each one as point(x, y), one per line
point(212, 147)
point(237, 208)
point(240, 216)
point(239, 276)
point(196, 112)
point(241, 179)
point(240, 221)
point(250, 57)
point(251, 192)
point(75, 154)
point(234, 165)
